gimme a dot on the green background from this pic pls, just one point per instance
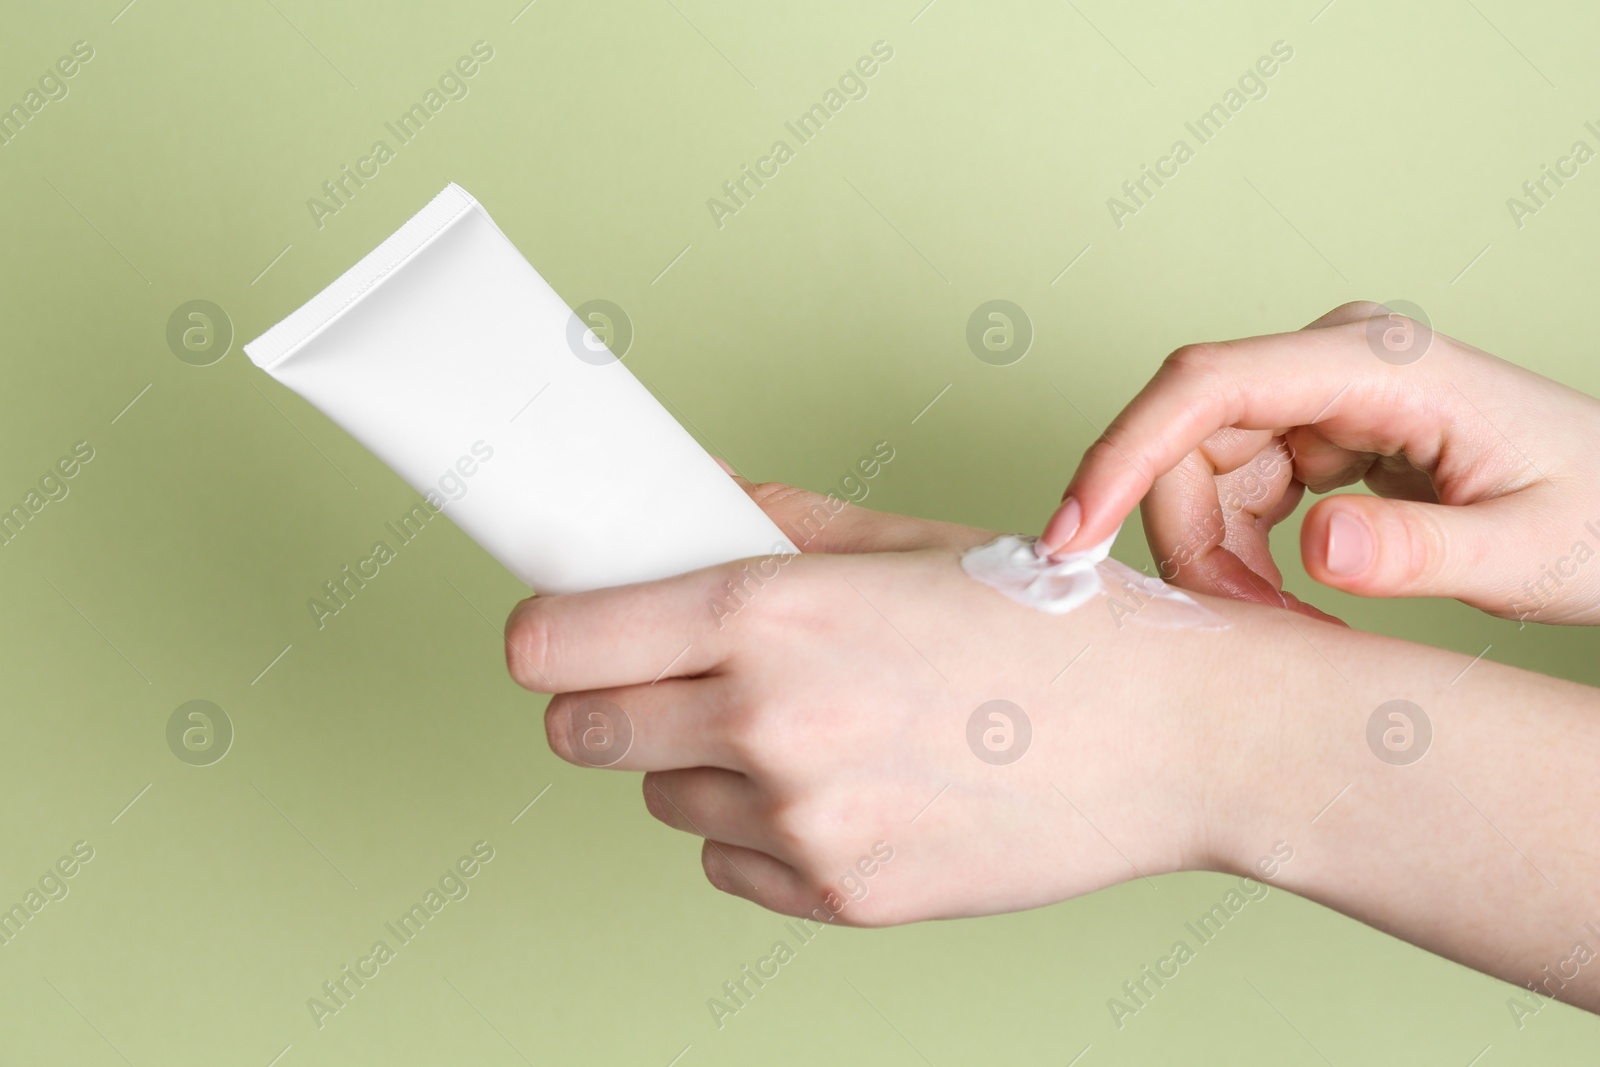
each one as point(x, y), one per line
point(820, 319)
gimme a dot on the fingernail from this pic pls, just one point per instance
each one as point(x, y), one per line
point(1350, 547)
point(1063, 525)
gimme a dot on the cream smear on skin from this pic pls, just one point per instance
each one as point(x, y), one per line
point(1012, 566)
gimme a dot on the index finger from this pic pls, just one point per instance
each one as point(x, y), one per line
point(626, 635)
point(1324, 375)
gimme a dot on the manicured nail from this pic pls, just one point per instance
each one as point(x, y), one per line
point(1350, 546)
point(1063, 525)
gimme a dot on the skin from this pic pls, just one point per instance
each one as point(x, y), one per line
point(1483, 471)
point(830, 712)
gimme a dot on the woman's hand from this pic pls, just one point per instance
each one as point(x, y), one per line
point(826, 723)
point(1485, 472)
point(811, 715)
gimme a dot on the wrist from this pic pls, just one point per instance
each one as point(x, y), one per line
point(1259, 755)
point(1188, 738)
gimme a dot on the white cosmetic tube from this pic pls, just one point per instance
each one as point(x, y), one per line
point(446, 354)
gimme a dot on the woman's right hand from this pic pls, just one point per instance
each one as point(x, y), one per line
point(1487, 475)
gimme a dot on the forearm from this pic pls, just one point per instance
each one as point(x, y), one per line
point(1478, 843)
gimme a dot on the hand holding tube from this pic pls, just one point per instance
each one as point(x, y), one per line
point(864, 735)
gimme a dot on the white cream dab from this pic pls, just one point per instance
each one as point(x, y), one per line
point(1012, 566)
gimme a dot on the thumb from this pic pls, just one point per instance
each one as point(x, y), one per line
point(1377, 547)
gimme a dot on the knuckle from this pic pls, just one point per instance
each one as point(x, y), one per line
point(1422, 547)
point(1363, 309)
point(1104, 448)
point(1201, 358)
point(801, 513)
point(772, 495)
point(764, 737)
point(1206, 374)
point(767, 590)
point(803, 825)
point(848, 904)
point(749, 737)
